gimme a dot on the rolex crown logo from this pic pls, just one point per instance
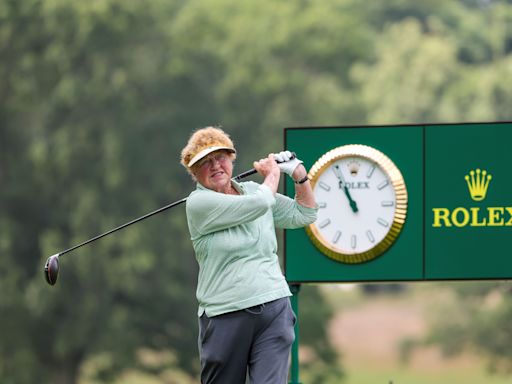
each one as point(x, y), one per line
point(478, 182)
point(353, 167)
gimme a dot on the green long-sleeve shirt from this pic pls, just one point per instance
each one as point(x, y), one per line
point(236, 247)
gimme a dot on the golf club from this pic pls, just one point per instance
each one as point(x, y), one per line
point(51, 267)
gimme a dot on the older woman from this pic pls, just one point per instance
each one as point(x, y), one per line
point(245, 317)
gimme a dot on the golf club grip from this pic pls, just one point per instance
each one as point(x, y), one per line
point(252, 171)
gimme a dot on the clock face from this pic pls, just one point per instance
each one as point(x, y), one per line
point(362, 203)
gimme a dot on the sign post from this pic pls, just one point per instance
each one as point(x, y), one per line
point(295, 288)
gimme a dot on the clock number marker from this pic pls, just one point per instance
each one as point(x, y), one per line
point(324, 186)
point(370, 172)
point(382, 222)
point(387, 203)
point(353, 241)
point(324, 223)
point(336, 237)
point(370, 236)
point(383, 184)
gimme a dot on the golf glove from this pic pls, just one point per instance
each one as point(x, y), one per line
point(286, 163)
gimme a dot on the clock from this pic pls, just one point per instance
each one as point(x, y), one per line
point(362, 200)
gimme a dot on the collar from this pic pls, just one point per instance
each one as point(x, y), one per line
point(238, 186)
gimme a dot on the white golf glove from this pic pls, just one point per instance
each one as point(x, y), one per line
point(285, 164)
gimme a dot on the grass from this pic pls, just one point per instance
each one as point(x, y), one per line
point(395, 375)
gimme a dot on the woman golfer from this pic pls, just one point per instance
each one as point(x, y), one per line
point(245, 317)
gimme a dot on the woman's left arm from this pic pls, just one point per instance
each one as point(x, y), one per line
point(300, 211)
point(303, 191)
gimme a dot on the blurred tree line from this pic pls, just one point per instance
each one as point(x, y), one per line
point(97, 98)
point(474, 317)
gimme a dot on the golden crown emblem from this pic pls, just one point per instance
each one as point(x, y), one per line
point(478, 182)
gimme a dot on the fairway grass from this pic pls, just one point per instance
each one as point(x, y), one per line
point(404, 375)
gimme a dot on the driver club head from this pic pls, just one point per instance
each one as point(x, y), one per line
point(51, 269)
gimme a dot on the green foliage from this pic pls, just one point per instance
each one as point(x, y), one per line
point(441, 64)
point(98, 98)
point(69, 166)
point(323, 367)
point(417, 68)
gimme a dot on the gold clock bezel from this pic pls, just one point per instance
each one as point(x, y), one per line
point(398, 184)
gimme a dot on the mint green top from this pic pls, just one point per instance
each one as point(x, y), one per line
point(236, 247)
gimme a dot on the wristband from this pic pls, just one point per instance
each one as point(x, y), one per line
point(303, 180)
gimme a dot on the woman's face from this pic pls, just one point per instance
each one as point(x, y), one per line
point(215, 171)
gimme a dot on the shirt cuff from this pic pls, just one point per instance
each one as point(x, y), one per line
point(308, 212)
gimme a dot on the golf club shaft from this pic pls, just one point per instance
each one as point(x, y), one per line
point(147, 215)
point(124, 225)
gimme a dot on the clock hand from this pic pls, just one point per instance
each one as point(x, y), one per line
point(343, 185)
point(352, 203)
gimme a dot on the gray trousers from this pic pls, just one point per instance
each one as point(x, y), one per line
point(254, 341)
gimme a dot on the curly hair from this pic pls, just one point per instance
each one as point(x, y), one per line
point(202, 139)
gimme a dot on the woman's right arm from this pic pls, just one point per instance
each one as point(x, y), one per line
point(270, 171)
point(209, 211)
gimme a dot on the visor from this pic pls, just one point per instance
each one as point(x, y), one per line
point(207, 151)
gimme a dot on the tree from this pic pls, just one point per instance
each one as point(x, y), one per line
point(100, 93)
point(73, 89)
point(98, 99)
point(477, 318)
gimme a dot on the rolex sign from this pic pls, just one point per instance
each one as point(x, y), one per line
point(404, 203)
point(468, 195)
point(474, 216)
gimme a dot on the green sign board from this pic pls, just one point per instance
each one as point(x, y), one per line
point(404, 203)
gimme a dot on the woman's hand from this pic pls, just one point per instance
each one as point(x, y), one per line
point(267, 165)
point(269, 170)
